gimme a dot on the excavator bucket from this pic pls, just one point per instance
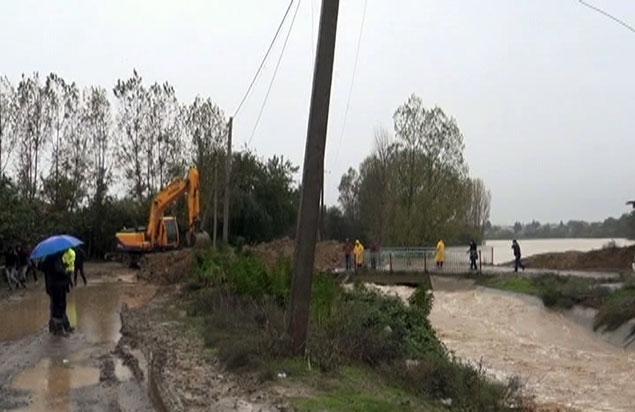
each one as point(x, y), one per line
point(200, 240)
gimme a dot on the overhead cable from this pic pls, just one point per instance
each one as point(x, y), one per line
point(350, 91)
point(264, 59)
point(610, 16)
point(275, 71)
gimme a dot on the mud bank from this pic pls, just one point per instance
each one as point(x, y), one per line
point(182, 374)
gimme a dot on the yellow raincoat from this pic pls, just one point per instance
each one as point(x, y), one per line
point(440, 257)
point(69, 260)
point(358, 251)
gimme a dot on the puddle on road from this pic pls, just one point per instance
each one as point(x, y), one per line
point(51, 382)
point(562, 362)
point(93, 310)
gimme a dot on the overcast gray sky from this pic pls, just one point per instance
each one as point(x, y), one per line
point(541, 89)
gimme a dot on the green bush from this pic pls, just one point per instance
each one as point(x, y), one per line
point(423, 299)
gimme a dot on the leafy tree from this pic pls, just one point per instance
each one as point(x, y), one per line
point(206, 128)
point(264, 199)
point(415, 189)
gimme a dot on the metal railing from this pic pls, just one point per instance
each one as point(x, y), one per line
point(422, 259)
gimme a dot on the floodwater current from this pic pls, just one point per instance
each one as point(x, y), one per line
point(560, 361)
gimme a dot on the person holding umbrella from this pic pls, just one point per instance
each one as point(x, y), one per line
point(57, 279)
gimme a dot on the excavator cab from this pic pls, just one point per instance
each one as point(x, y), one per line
point(169, 232)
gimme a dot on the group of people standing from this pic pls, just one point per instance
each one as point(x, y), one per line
point(354, 255)
point(17, 266)
point(60, 270)
point(472, 251)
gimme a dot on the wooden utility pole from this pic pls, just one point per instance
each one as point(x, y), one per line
point(228, 170)
point(312, 177)
point(215, 202)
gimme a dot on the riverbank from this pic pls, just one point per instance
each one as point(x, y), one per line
point(219, 336)
point(614, 301)
point(607, 259)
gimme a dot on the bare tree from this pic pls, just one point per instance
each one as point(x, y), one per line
point(479, 206)
point(31, 133)
point(131, 150)
point(96, 120)
point(7, 122)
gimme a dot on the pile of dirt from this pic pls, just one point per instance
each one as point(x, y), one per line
point(167, 267)
point(328, 254)
point(618, 259)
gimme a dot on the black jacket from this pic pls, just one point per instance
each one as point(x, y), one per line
point(54, 272)
point(80, 256)
point(516, 248)
point(10, 258)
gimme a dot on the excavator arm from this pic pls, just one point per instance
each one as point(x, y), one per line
point(161, 233)
point(190, 186)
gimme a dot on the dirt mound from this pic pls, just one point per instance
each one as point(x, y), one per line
point(328, 254)
point(609, 259)
point(167, 267)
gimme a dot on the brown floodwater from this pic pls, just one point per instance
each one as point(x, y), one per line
point(561, 362)
point(93, 310)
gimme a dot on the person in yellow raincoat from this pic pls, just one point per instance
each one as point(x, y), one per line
point(358, 252)
point(440, 257)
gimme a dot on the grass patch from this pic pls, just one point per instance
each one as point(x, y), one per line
point(554, 291)
point(617, 309)
point(360, 389)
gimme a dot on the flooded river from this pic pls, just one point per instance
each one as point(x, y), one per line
point(560, 361)
point(503, 252)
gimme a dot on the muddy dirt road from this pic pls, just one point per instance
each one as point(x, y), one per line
point(40, 372)
point(561, 361)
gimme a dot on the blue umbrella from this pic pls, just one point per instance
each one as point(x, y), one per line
point(54, 244)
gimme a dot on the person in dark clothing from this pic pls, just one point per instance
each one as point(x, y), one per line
point(57, 280)
point(32, 267)
point(79, 265)
point(374, 252)
point(348, 252)
point(473, 255)
point(11, 267)
point(23, 265)
point(517, 255)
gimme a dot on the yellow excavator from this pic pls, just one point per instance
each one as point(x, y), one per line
point(162, 232)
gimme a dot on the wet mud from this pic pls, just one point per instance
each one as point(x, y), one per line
point(41, 372)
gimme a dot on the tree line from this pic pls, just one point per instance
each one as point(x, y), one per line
point(414, 188)
point(622, 227)
point(88, 162)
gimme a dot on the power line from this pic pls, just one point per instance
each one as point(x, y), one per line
point(264, 59)
point(275, 71)
point(350, 91)
point(312, 31)
point(628, 26)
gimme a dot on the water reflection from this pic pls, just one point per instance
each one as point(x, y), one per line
point(51, 382)
point(93, 310)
